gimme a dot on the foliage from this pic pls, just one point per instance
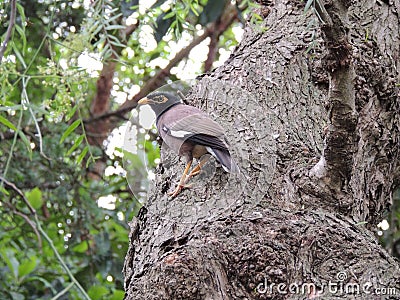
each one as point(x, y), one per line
point(54, 232)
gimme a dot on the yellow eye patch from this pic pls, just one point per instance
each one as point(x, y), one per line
point(160, 99)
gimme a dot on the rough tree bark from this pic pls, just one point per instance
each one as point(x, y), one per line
point(316, 135)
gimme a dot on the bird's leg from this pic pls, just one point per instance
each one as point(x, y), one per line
point(182, 181)
point(197, 169)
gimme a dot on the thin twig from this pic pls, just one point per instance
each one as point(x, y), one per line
point(9, 29)
point(19, 192)
point(32, 224)
point(64, 265)
point(26, 218)
point(47, 238)
point(39, 133)
point(14, 142)
point(63, 292)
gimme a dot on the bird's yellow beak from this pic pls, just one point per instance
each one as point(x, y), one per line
point(144, 100)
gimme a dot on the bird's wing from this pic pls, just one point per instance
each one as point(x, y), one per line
point(189, 123)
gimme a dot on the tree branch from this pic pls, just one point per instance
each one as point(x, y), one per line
point(130, 29)
point(212, 50)
point(9, 29)
point(157, 80)
point(337, 159)
point(151, 84)
point(223, 22)
point(32, 224)
point(19, 192)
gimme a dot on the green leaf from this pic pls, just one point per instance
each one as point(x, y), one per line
point(82, 155)
point(18, 55)
point(35, 198)
point(26, 142)
point(96, 292)
point(76, 144)
point(71, 113)
point(70, 129)
point(193, 9)
point(21, 13)
point(112, 27)
point(113, 18)
point(114, 10)
point(9, 257)
point(116, 41)
point(168, 15)
point(21, 32)
point(178, 30)
point(13, 107)
point(44, 281)
point(117, 44)
point(95, 28)
point(117, 295)
point(82, 247)
point(4, 191)
point(10, 125)
point(27, 266)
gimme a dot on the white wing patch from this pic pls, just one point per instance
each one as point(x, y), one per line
point(180, 133)
point(177, 133)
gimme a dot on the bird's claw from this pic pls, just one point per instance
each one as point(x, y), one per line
point(179, 189)
point(185, 178)
point(193, 174)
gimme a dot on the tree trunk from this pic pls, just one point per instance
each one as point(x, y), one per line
point(316, 135)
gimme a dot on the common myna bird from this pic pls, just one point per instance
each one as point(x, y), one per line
point(190, 133)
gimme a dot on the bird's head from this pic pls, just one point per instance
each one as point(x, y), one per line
point(160, 101)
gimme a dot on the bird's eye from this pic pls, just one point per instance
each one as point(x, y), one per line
point(160, 99)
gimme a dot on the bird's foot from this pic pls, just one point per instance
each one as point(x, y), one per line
point(178, 189)
point(193, 173)
point(196, 170)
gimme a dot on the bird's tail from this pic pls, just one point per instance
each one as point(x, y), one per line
point(225, 159)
